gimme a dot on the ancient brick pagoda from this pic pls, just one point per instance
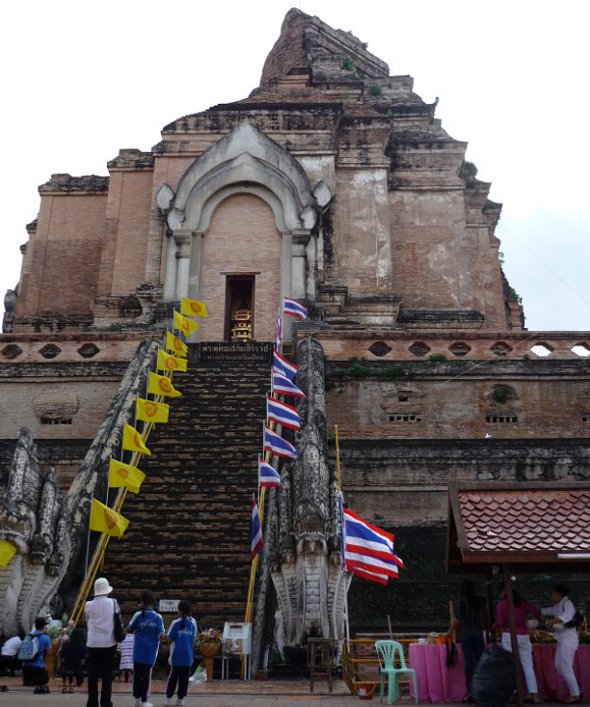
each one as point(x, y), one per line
point(332, 183)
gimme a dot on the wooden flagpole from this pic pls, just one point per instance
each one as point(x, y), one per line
point(95, 563)
point(339, 481)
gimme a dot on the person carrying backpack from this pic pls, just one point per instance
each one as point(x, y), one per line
point(182, 635)
point(563, 622)
point(32, 653)
point(148, 627)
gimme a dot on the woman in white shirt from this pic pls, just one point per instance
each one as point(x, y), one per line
point(563, 611)
point(101, 643)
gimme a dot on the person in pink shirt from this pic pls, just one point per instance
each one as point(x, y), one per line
point(522, 609)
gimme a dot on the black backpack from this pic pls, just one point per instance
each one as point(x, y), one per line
point(578, 620)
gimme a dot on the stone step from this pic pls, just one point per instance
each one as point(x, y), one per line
point(189, 532)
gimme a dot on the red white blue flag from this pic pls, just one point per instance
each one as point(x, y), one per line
point(267, 475)
point(291, 306)
point(279, 332)
point(368, 550)
point(282, 414)
point(282, 366)
point(272, 442)
point(257, 538)
point(283, 386)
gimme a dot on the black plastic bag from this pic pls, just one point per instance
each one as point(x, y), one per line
point(494, 679)
point(452, 656)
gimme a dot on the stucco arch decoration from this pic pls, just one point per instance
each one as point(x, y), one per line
point(244, 161)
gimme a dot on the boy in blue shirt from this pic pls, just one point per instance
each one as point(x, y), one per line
point(148, 627)
point(34, 671)
point(182, 635)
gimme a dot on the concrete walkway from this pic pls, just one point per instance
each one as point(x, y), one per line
point(228, 693)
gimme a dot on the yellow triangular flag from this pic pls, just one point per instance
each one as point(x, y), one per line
point(168, 362)
point(125, 475)
point(150, 411)
point(175, 345)
point(161, 385)
point(105, 520)
point(133, 441)
point(193, 308)
point(7, 552)
point(184, 324)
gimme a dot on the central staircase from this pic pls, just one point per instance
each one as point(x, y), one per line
point(189, 529)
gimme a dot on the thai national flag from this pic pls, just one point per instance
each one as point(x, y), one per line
point(279, 334)
point(282, 414)
point(257, 539)
point(368, 550)
point(283, 386)
point(272, 442)
point(267, 476)
point(281, 365)
point(291, 306)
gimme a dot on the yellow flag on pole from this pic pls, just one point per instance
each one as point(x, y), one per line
point(175, 345)
point(184, 324)
point(161, 385)
point(105, 520)
point(133, 441)
point(125, 475)
point(193, 308)
point(168, 362)
point(150, 411)
point(7, 552)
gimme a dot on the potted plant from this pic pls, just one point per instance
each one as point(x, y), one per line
point(209, 642)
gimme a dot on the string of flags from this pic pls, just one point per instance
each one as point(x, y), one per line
point(367, 551)
point(170, 359)
point(278, 413)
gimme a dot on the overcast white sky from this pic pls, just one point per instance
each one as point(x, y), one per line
point(82, 80)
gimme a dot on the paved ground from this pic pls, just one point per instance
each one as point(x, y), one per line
point(229, 693)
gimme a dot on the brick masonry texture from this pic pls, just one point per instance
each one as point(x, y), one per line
point(243, 238)
point(189, 532)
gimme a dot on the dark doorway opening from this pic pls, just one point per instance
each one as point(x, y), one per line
point(239, 307)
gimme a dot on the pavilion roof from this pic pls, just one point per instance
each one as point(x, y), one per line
point(535, 525)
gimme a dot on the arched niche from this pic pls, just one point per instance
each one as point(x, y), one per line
point(244, 162)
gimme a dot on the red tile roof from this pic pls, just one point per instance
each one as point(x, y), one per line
point(524, 523)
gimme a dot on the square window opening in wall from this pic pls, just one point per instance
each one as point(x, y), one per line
point(502, 419)
point(56, 420)
point(586, 417)
point(409, 417)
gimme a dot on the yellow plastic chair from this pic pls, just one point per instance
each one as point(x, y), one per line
point(391, 653)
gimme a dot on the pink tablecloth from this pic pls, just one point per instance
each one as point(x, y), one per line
point(551, 685)
point(437, 683)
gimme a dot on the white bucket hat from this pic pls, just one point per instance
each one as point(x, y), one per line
point(102, 587)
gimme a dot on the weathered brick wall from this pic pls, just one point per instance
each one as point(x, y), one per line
point(80, 392)
point(128, 218)
point(433, 262)
point(361, 237)
point(243, 238)
point(404, 482)
point(63, 256)
point(459, 400)
point(189, 532)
